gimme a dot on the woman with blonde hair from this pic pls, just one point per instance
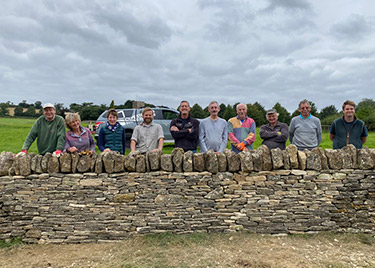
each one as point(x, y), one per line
point(78, 138)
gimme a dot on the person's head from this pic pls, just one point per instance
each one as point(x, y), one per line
point(304, 108)
point(49, 111)
point(213, 108)
point(184, 108)
point(348, 108)
point(148, 115)
point(72, 120)
point(241, 110)
point(112, 116)
point(272, 116)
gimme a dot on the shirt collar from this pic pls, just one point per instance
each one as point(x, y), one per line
point(305, 118)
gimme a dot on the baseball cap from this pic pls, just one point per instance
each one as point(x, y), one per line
point(48, 105)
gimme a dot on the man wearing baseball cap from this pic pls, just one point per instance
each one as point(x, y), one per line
point(275, 133)
point(49, 130)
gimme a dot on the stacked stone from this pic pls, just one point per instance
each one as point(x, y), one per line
point(91, 207)
point(261, 159)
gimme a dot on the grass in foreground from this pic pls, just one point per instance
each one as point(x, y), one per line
point(203, 250)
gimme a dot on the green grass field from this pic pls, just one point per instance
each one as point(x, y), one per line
point(13, 132)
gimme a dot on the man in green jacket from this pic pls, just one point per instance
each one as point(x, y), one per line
point(348, 129)
point(49, 130)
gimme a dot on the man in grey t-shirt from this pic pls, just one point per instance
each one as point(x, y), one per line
point(305, 130)
point(147, 136)
point(213, 130)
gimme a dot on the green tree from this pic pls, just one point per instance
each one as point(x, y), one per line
point(23, 104)
point(328, 111)
point(18, 111)
point(30, 111)
point(365, 108)
point(4, 109)
point(229, 112)
point(222, 110)
point(38, 105)
point(257, 112)
point(197, 111)
point(112, 105)
point(284, 115)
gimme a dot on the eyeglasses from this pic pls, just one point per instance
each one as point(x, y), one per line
point(305, 108)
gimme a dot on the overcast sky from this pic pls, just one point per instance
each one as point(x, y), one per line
point(163, 51)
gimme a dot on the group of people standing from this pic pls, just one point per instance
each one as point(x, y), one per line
point(211, 133)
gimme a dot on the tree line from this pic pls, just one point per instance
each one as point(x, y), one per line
point(365, 111)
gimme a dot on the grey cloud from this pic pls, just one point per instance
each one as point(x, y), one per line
point(303, 5)
point(355, 27)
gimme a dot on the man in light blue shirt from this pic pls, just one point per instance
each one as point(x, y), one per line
point(213, 130)
point(305, 130)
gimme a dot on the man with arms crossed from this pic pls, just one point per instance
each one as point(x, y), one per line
point(185, 129)
point(49, 130)
point(213, 130)
point(305, 130)
point(348, 129)
point(274, 134)
point(241, 130)
point(147, 136)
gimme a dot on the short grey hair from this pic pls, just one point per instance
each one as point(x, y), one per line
point(241, 104)
point(212, 102)
point(304, 102)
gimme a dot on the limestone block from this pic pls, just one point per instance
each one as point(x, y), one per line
point(222, 162)
point(334, 158)
point(119, 160)
point(246, 161)
point(44, 162)
point(140, 166)
point(266, 157)
point(66, 163)
point(92, 162)
point(365, 160)
point(352, 152)
point(286, 159)
point(313, 161)
point(6, 162)
point(99, 164)
point(154, 160)
point(38, 163)
point(257, 160)
point(83, 164)
point(234, 163)
point(109, 162)
point(198, 162)
point(53, 164)
point(301, 160)
point(277, 158)
point(323, 157)
point(188, 161)
point(177, 159)
point(292, 151)
point(75, 159)
point(166, 162)
point(210, 159)
point(130, 161)
point(22, 165)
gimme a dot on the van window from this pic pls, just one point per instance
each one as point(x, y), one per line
point(169, 115)
point(128, 113)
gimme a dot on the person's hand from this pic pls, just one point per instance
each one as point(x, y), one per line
point(72, 149)
point(22, 153)
point(107, 150)
point(240, 146)
point(278, 133)
point(57, 153)
point(155, 150)
point(174, 128)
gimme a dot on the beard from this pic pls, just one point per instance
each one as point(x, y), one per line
point(147, 120)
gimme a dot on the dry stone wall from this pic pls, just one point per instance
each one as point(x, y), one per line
point(109, 197)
